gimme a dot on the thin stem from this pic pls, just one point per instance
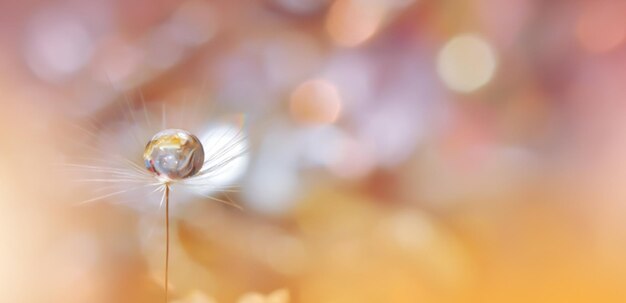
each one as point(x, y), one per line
point(167, 240)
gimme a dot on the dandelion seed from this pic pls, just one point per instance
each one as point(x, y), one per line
point(171, 157)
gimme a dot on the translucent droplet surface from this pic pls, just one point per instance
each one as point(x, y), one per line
point(174, 154)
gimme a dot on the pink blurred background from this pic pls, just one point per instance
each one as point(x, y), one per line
point(400, 150)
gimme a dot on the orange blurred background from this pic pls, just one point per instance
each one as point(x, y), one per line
point(399, 150)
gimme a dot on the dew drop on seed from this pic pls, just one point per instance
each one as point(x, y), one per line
point(174, 154)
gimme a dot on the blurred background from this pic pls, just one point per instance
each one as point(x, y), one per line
point(399, 150)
